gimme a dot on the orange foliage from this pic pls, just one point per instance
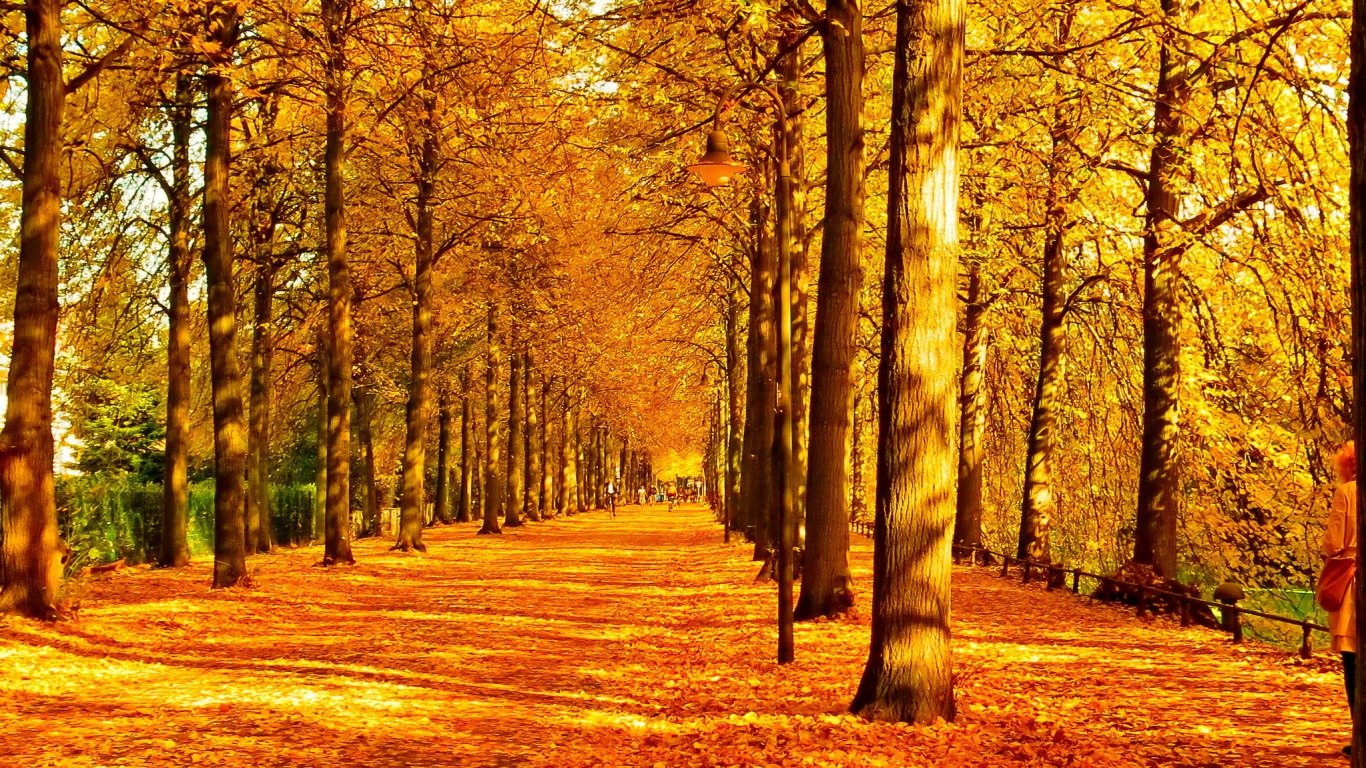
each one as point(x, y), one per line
point(639, 641)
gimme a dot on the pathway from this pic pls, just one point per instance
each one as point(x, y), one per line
point(635, 641)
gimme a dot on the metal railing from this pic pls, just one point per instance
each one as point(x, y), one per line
point(1056, 574)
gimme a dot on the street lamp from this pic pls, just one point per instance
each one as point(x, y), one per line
point(716, 168)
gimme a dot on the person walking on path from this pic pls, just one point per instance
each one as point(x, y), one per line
point(1340, 541)
point(611, 498)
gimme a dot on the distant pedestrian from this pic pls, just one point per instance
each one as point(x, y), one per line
point(1340, 552)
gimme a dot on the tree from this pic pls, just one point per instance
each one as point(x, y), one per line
point(909, 672)
point(825, 589)
point(175, 546)
point(30, 551)
point(230, 438)
point(493, 483)
point(967, 526)
point(337, 548)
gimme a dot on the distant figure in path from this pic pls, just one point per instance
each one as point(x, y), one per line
point(1340, 540)
point(611, 498)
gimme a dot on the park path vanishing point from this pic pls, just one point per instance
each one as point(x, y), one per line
point(634, 641)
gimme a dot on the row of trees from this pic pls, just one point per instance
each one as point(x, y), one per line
point(408, 206)
point(1154, 223)
point(1152, 208)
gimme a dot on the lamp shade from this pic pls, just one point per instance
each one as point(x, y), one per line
point(716, 168)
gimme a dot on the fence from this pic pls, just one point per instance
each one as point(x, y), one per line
point(1226, 596)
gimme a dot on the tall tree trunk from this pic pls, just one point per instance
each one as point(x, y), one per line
point(441, 509)
point(909, 672)
point(582, 470)
point(419, 410)
point(259, 536)
point(1159, 478)
point(858, 503)
point(755, 474)
point(546, 461)
point(30, 546)
point(735, 394)
point(175, 545)
point(1039, 503)
point(365, 405)
point(230, 434)
point(337, 547)
point(531, 502)
point(512, 509)
point(492, 490)
point(595, 460)
point(972, 419)
point(412, 506)
point(569, 480)
point(465, 511)
point(1159, 471)
point(825, 589)
point(791, 69)
point(320, 478)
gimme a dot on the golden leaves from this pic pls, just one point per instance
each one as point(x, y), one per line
point(636, 641)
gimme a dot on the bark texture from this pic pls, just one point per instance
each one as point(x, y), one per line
point(30, 548)
point(909, 672)
point(825, 589)
point(972, 418)
point(1159, 471)
point(492, 489)
point(337, 543)
point(175, 545)
point(229, 426)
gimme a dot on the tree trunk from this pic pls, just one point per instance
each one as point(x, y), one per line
point(909, 672)
point(492, 490)
point(175, 546)
point(755, 474)
point(578, 470)
point(972, 419)
point(531, 502)
point(1039, 503)
point(441, 509)
point(547, 488)
point(858, 504)
point(1159, 471)
point(320, 478)
point(365, 405)
point(230, 434)
point(595, 460)
point(337, 547)
point(465, 511)
point(259, 536)
point(512, 509)
point(735, 395)
point(826, 582)
point(791, 70)
point(568, 476)
point(419, 410)
point(30, 545)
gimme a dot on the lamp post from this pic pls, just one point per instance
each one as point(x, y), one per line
point(717, 168)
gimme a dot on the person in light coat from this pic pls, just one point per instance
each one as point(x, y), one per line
point(1340, 540)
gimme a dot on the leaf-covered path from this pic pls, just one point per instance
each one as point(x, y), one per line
point(635, 641)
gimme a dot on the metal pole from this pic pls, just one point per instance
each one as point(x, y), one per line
point(784, 501)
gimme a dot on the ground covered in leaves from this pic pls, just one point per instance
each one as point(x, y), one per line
point(634, 641)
